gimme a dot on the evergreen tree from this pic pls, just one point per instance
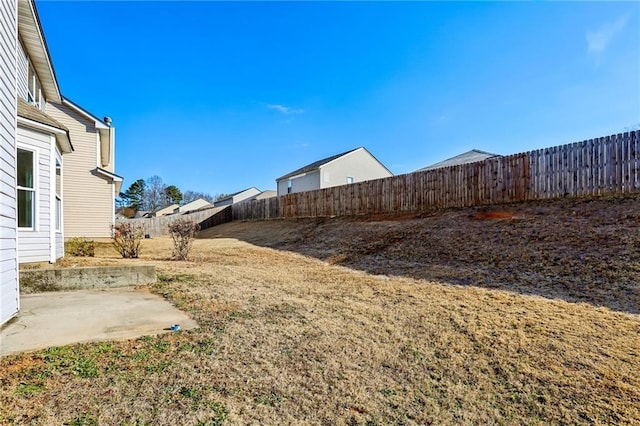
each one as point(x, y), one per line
point(173, 194)
point(134, 196)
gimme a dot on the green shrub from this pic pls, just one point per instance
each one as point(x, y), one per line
point(80, 247)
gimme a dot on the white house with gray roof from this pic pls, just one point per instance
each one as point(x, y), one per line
point(356, 165)
point(471, 156)
point(41, 143)
point(244, 195)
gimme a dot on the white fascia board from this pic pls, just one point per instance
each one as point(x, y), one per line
point(40, 126)
point(62, 136)
point(97, 122)
point(110, 175)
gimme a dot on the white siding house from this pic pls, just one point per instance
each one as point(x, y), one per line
point(194, 205)
point(357, 165)
point(9, 294)
point(244, 195)
point(472, 156)
point(41, 143)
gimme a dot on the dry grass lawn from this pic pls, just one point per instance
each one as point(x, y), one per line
point(290, 339)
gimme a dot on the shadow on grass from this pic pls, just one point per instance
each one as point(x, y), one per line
point(581, 251)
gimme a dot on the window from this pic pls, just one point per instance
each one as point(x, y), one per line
point(26, 188)
point(58, 197)
point(289, 187)
point(349, 179)
point(58, 213)
point(34, 93)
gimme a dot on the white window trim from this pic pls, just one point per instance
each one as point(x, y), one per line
point(35, 189)
point(58, 195)
point(58, 207)
point(53, 155)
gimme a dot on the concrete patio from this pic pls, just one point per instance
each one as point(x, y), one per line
point(67, 317)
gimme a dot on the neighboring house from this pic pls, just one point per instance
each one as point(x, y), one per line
point(9, 291)
point(472, 156)
point(194, 205)
point(269, 193)
point(41, 143)
point(90, 182)
point(353, 166)
point(166, 210)
point(244, 195)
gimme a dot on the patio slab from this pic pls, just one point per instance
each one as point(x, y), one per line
point(67, 317)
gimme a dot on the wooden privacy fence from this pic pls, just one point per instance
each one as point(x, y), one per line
point(156, 226)
point(599, 166)
point(266, 208)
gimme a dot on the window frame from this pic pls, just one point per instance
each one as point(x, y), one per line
point(350, 180)
point(34, 88)
point(33, 190)
point(58, 195)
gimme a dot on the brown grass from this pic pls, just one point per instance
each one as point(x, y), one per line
point(288, 339)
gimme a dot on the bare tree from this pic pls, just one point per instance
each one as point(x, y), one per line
point(154, 195)
point(189, 196)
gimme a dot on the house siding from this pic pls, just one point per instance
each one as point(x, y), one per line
point(35, 245)
point(359, 164)
point(9, 294)
point(22, 71)
point(88, 197)
point(308, 182)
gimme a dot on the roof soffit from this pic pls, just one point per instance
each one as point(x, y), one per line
point(32, 37)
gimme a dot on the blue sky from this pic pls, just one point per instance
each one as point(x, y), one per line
point(217, 97)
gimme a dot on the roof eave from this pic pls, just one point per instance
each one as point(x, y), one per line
point(32, 36)
point(97, 122)
point(62, 135)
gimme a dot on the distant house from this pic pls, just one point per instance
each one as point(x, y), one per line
point(269, 193)
point(194, 205)
point(244, 195)
point(41, 143)
point(165, 210)
point(472, 156)
point(90, 182)
point(353, 166)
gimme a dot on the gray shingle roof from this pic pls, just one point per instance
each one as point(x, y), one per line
point(25, 110)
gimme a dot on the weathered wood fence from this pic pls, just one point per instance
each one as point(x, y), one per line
point(606, 165)
point(156, 226)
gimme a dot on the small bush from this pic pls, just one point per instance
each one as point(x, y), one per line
point(80, 247)
point(127, 238)
point(182, 231)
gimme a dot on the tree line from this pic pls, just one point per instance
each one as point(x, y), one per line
point(153, 194)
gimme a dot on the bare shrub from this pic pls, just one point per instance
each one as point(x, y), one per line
point(183, 232)
point(126, 239)
point(80, 247)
